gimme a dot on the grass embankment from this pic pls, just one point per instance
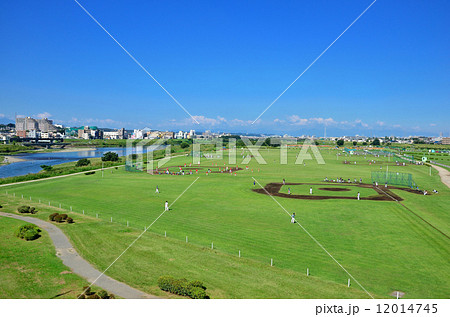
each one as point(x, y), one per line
point(225, 275)
point(369, 238)
point(30, 269)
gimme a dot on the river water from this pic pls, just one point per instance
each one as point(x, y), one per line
point(35, 160)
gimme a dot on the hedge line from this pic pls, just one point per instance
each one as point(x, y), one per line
point(193, 289)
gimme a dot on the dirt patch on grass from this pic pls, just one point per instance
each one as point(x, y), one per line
point(335, 189)
point(383, 193)
point(187, 169)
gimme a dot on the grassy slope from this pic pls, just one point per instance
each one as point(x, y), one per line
point(384, 246)
point(226, 276)
point(30, 269)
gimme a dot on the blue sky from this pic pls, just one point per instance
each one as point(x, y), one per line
point(226, 61)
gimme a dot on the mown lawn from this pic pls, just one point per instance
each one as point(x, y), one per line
point(30, 269)
point(381, 244)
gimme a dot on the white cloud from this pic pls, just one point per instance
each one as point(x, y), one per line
point(296, 120)
point(380, 123)
point(2, 115)
point(433, 124)
point(358, 121)
point(44, 115)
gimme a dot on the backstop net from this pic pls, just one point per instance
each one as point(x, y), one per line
point(134, 167)
point(393, 178)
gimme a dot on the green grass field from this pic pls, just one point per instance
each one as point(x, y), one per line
point(383, 245)
point(30, 269)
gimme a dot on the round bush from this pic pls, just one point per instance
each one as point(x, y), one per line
point(198, 293)
point(52, 216)
point(28, 232)
point(103, 294)
point(69, 220)
point(58, 218)
point(23, 209)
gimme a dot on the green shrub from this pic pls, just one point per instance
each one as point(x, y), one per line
point(89, 173)
point(81, 296)
point(93, 296)
point(198, 293)
point(28, 232)
point(47, 168)
point(33, 210)
point(23, 209)
point(63, 216)
point(110, 156)
point(58, 218)
point(193, 289)
point(196, 284)
point(112, 296)
point(103, 294)
point(87, 290)
point(69, 220)
point(165, 283)
point(52, 216)
point(179, 287)
point(83, 162)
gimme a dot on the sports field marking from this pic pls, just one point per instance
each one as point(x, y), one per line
point(276, 99)
point(145, 230)
point(135, 60)
point(315, 240)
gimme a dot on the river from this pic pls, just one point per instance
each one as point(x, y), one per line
point(33, 161)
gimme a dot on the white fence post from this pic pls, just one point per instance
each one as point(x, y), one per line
point(111, 219)
point(348, 283)
point(165, 234)
point(70, 208)
point(239, 253)
point(96, 215)
point(127, 223)
point(307, 271)
point(83, 211)
point(186, 239)
point(271, 262)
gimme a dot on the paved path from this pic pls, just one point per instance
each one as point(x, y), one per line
point(444, 174)
point(78, 265)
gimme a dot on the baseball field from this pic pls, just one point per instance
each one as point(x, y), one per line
point(227, 230)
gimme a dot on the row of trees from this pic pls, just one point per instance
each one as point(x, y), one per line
point(375, 142)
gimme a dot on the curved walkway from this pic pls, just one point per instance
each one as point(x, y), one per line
point(444, 174)
point(78, 265)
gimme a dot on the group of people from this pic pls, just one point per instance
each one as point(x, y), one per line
point(341, 180)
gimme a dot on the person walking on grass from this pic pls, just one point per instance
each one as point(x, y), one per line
point(293, 218)
point(310, 190)
point(359, 195)
point(289, 190)
point(166, 206)
point(157, 190)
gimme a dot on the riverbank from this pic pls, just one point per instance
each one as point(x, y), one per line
point(8, 159)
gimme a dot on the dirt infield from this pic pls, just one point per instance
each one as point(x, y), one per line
point(383, 193)
point(331, 189)
point(187, 169)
